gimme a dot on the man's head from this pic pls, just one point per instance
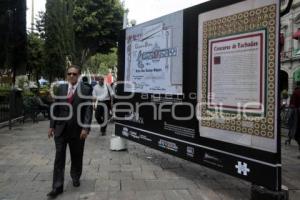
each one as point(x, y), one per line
point(85, 79)
point(73, 74)
point(101, 80)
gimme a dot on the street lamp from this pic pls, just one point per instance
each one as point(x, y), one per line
point(125, 16)
point(117, 143)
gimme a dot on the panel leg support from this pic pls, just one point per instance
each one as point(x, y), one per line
point(261, 193)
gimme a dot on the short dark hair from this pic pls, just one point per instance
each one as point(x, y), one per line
point(85, 79)
point(76, 67)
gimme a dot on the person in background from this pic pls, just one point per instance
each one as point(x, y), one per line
point(286, 115)
point(45, 108)
point(295, 105)
point(47, 98)
point(102, 95)
point(93, 83)
point(85, 80)
point(109, 77)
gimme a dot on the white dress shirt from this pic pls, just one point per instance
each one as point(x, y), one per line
point(72, 87)
point(102, 93)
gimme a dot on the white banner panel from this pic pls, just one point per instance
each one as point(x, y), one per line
point(237, 74)
point(153, 56)
point(236, 71)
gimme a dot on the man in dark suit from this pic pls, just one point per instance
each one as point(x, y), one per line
point(69, 127)
point(295, 105)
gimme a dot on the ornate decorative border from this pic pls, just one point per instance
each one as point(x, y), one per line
point(248, 21)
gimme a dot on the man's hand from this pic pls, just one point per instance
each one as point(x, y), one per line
point(50, 133)
point(84, 134)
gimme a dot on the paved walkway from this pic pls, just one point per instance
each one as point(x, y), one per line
point(26, 164)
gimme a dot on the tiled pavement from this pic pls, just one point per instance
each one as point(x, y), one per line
point(26, 164)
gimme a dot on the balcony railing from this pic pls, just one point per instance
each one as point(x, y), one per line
point(290, 55)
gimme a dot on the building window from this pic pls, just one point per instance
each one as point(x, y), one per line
point(297, 19)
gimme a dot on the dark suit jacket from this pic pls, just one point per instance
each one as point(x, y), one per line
point(295, 98)
point(72, 127)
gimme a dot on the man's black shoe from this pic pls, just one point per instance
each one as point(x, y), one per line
point(55, 192)
point(76, 183)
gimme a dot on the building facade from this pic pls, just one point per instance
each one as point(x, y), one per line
point(290, 47)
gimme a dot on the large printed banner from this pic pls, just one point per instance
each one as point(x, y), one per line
point(221, 58)
point(153, 54)
point(237, 74)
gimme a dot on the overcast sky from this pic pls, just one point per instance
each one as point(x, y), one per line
point(140, 10)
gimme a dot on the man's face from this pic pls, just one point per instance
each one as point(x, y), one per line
point(101, 80)
point(73, 75)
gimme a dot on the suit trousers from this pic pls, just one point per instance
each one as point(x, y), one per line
point(102, 114)
point(76, 147)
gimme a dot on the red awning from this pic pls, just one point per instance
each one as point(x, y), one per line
point(296, 35)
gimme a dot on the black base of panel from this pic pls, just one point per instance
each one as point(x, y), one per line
point(261, 193)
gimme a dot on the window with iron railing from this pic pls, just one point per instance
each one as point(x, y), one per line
point(285, 55)
point(290, 55)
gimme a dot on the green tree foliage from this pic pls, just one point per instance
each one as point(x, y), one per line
point(4, 27)
point(97, 26)
point(13, 35)
point(35, 54)
point(59, 36)
point(79, 29)
point(40, 24)
point(100, 63)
